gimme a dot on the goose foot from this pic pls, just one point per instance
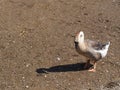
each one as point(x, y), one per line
point(92, 70)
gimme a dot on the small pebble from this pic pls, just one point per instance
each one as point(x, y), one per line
point(71, 59)
point(57, 84)
point(27, 65)
point(31, 46)
point(58, 58)
point(23, 77)
point(117, 62)
point(93, 36)
point(27, 86)
point(68, 83)
point(45, 76)
point(105, 26)
point(13, 41)
point(107, 71)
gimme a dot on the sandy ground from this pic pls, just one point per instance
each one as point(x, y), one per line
point(37, 44)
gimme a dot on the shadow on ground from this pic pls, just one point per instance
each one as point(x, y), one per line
point(63, 68)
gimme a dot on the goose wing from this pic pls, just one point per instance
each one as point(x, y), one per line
point(94, 44)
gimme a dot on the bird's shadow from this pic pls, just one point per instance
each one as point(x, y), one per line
point(63, 68)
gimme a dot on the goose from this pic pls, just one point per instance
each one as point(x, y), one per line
point(92, 50)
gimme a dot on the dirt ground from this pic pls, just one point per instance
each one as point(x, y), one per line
point(37, 44)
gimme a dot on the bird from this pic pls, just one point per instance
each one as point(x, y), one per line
point(92, 50)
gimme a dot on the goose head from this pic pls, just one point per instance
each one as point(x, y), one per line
point(79, 37)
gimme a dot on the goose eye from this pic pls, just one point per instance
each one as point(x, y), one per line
point(81, 35)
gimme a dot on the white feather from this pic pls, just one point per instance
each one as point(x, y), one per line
point(104, 51)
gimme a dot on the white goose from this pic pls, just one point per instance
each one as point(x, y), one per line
point(90, 49)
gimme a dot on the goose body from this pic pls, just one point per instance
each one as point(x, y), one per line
point(93, 50)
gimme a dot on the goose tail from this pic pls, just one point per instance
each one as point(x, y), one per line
point(104, 50)
point(107, 45)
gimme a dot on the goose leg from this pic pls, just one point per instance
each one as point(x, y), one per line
point(94, 68)
point(87, 63)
